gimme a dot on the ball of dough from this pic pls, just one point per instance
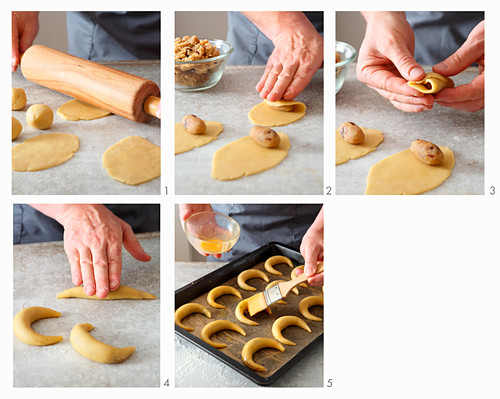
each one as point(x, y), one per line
point(39, 116)
point(18, 98)
point(16, 128)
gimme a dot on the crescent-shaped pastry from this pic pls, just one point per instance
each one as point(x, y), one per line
point(86, 345)
point(306, 303)
point(293, 275)
point(253, 346)
point(247, 275)
point(23, 330)
point(240, 310)
point(276, 260)
point(123, 292)
point(273, 283)
point(186, 310)
point(218, 325)
point(285, 321)
point(218, 291)
point(432, 83)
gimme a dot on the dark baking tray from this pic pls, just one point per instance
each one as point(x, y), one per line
point(204, 284)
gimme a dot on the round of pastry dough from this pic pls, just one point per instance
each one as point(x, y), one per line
point(76, 110)
point(218, 325)
point(133, 160)
point(44, 151)
point(23, 330)
point(432, 83)
point(185, 141)
point(306, 303)
point(39, 116)
point(86, 345)
point(123, 292)
point(18, 98)
point(345, 151)
point(186, 310)
point(403, 173)
point(264, 115)
point(285, 321)
point(253, 346)
point(244, 157)
point(17, 128)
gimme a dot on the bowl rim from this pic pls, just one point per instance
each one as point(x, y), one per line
point(347, 60)
point(213, 213)
point(219, 57)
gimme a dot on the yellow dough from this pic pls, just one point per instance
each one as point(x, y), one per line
point(244, 157)
point(76, 110)
point(18, 98)
point(262, 114)
point(432, 83)
point(186, 310)
point(276, 260)
point(22, 326)
point(185, 141)
point(308, 302)
point(133, 160)
point(403, 173)
point(39, 116)
point(17, 128)
point(345, 151)
point(216, 326)
point(285, 321)
point(123, 292)
point(253, 346)
point(86, 345)
point(44, 151)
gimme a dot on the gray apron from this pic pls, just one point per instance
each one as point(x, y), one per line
point(32, 226)
point(439, 34)
point(251, 46)
point(111, 36)
point(264, 223)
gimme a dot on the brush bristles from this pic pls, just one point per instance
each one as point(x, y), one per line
point(257, 304)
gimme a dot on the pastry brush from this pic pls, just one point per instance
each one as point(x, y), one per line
point(261, 301)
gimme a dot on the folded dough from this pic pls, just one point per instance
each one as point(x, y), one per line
point(432, 83)
point(263, 115)
point(123, 292)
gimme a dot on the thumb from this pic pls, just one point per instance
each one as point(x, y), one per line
point(405, 63)
point(464, 57)
point(132, 245)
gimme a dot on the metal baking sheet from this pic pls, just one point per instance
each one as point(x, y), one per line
point(276, 362)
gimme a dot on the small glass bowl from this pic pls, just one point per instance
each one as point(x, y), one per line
point(211, 232)
point(202, 74)
point(347, 56)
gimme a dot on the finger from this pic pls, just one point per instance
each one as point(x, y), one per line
point(74, 263)
point(87, 269)
point(311, 254)
point(281, 85)
point(466, 92)
point(158, 110)
point(465, 56)
point(132, 245)
point(317, 280)
point(262, 81)
point(426, 100)
point(410, 107)
point(100, 265)
point(469, 106)
point(271, 81)
point(15, 45)
point(301, 79)
point(405, 63)
point(114, 254)
point(386, 80)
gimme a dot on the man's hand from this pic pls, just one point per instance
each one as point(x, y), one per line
point(311, 248)
point(24, 31)
point(470, 96)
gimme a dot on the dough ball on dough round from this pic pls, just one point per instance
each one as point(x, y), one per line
point(18, 98)
point(39, 116)
point(17, 128)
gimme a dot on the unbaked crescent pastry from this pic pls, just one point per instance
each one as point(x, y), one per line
point(242, 307)
point(247, 275)
point(253, 346)
point(186, 310)
point(306, 303)
point(23, 330)
point(285, 321)
point(219, 291)
point(218, 325)
point(276, 260)
point(432, 83)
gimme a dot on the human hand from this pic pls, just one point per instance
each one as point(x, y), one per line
point(158, 110)
point(93, 239)
point(311, 249)
point(386, 62)
point(186, 210)
point(467, 97)
point(24, 31)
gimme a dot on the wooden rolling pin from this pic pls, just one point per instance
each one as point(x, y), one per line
point(119, 92)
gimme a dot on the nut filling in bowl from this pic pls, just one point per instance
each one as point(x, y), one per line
point(199, 64)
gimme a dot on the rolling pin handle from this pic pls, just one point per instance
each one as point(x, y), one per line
point(151, 104)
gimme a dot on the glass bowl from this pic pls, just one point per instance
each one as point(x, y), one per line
point(211, 232)
point(347, 56)
point(202, 74)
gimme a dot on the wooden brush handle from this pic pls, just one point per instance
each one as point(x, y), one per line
point(285, 288)
point(116, 91)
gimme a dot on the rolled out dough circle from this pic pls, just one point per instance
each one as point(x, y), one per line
point(133, 160)
point(345, 151)
point(263, 115)
point(76, 110)
point(44, 151)
point(403, 173)
point(185, 141)
point(244, 157)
